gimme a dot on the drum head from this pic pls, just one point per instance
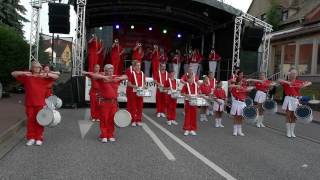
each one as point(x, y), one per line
point(56, 118)
point(59, 103)
point(248, 101)
point(250, 113)
point(122, 118)
point(303, 114)
point(269, 105)
point(45, 117)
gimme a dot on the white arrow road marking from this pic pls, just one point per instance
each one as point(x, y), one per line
point(158, 142)
point(205, 160)
point(84, 126)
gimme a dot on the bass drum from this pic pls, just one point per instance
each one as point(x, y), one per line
point(270, 106)
point(250, 114)
point(303, 114)
point(122, 118)
point(48, 117)
point(248, 101)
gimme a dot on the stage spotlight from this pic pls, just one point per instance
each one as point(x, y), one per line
point(117, 26)
point(132, 26)
point(150, 28)
point(179, 35)
point(164, 31)
point(100, 28)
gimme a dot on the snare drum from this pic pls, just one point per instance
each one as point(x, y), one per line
point(303, 114)
point(144, 93)
point(270, 106)
point(122, 118)
point(198, 101)
point(53, 102)
point(176, 94)
point(248, 101)
point(161, 89)
point(48, 117)
point(250, 114)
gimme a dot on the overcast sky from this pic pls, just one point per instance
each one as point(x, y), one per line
point(239, 4)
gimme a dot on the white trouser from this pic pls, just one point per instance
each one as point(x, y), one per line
point(290, 103)
point(147, 65)
point(260, 97)
point(195, 67)
point(176, 69)
point(213, 66)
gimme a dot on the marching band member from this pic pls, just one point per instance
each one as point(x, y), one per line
point(160, 79)
point(107, 100)
point(137, 80)
point(129, 90)
point(184, 78)
point(163, 57)
point(36, 87)
point(239, 92)
point(219, 101)
point(171, 85)
point(94, 109)
point(190, 119)
point(214, 57)
point(292, 89)
point(186, 61)
point(116, 53)
point(206, 90)
point(93, 46)
point(195, 61)
point(234, 76)
point(46, 69)
point(212, 82)
point(177, 63)
point(155, 60)
point(147, 62)
point(262, 86)
point(138, 52)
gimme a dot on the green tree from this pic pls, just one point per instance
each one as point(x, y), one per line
point(11, 14)
point(14, 53)
point(274, 15)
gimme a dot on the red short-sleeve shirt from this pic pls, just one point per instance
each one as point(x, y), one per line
point(219, 93)
point(173, 83)
point(205, 89)
point(294, 89)
point(263, 86)
point(193, 89)
point(239, 93)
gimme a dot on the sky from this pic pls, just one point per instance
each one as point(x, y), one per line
point(239, 4)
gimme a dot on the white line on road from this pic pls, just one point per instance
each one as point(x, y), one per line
point(205, 160)
point(155, 138)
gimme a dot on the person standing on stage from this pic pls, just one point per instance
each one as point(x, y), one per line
point(138, 52)
point(292, 88)
point(137, 80)
point(189, 90)
point(234, 76)
point(186, 61)
point(107, 100)
point(171, 103)
point(214, 57)
point(155, 60)
point(94, 109)
point(93, 46)
point(205, 90)
point(129, 90)
point(116, 53)
point(262, 86)
point(195, 61)
point(160, 79)
point(36, 88)
point(220, 98)
point(147, 62)
point(239, 91)
point(176, 61)
point(184, 78)
point(163, 57)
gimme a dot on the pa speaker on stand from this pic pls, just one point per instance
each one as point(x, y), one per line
point(59, 18)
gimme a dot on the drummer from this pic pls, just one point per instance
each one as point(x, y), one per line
point(262, 86)
point(160, 78)
point(205, 90)
point(184, 78)
point(36, 86)
point(108, 85)
point(137, 80)
point(292, 89)
point(220, 97)
point(129, 90)
point(239, 91)
point(190, 89)
point(171, 103)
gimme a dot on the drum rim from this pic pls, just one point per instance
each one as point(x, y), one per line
point(52, 118)
point(116, 120)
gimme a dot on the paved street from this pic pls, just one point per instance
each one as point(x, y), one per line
point(157, 151)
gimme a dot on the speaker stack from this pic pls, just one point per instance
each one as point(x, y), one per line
point(59, 18)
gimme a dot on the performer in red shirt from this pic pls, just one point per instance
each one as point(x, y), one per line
point(190, 119)
point(184, 78)
point(292, 89)
point(36, 89)
point(233, 77)
point(205, 90)
point(147, 62)
point(116, 53)
point(176, 60)
point(92, 52)
point(155, 60)
point(214, 58)
point(220, 97)
point(137, 80)
point(239, 92)
point(107, 100)
point(138, 53)
point(212, 82)
point(195, 61)
point(101, 53)
point(160, 78)
point(46, 69)
point(129, 90)
point(171, 85)
point(186, 61)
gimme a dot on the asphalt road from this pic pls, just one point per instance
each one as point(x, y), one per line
point(213, 154)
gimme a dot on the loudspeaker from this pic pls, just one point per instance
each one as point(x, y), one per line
point(59, 18)
point(252, 38)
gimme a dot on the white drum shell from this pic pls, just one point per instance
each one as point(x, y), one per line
point(144, 93)
point(197, 101)
point(48, 117)
point(122, 118)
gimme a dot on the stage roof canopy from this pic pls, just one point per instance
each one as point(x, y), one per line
point(190, 15)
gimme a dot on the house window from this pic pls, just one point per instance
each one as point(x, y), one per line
point(289, 57)
point(263, 17)
point(305, 57)
point(284, 15)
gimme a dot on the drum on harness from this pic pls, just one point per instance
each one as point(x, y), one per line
point(248, 101)
point(144, 92)
point(270, 106)
point(303, 113)
point(122, 118)
point(53, 102)
point(198, 101)
point(250, 114)
point(48, 117)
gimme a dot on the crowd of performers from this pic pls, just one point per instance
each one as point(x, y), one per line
point(104, 93)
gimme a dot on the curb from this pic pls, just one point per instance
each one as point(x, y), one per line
point(12, 130)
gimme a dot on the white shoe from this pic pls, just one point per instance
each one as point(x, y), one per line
point(235, 130)
point(205, 118)
point(133, 124)
point(258, 124)
point(292, 130)
point(98, 120)
point(39, 143)
point(139, 123)
point(240, 130)
point(261, 120)
point(169, 123)
point(193, 133)
point(220, 124)
point(30, 142)
point(104, 140)
point(186, 133)
point(163, 115)
point(112, 139)
point(288, 130)
point(93, 120)
point(217, 123)
point(174, 122)
point(158, 115)
point(262, 125)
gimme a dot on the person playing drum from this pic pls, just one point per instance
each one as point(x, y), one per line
point(160, 78)
point(190, 89)
point(239, 91)
point(262, 86)
point(292, 88)
point(137, 81)
point(220, 97)
point(184, 78)
point(36, 88)
point(107, 100)
point(129, 90)
point(206, 91)
point(171, 85)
